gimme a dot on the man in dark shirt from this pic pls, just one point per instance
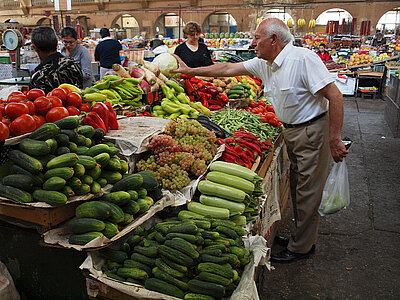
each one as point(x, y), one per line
point(107, 52)
point(55, 69)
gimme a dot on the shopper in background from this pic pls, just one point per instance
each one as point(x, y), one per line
point(193, 53)
point(301, 89)
point(54, 69)
point(378, 40)
point(323, 54)
point(107, 52)
point(73, 49)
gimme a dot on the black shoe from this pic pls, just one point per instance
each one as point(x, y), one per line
point(281, 241)
point(287, 256)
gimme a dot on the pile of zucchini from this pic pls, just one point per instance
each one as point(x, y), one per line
point(229, 192)
point(60, 160)
point(128, 198)
point(188, 259)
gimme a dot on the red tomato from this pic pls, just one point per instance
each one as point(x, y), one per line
point(85, 107)
point(23, 124)
point(6, 120)
point(262, 109)
point(16, 98)
point(35, 93)
point(55, 101)
point(253, 104)
point(42, 105)
point(73, 111)
point(74, 99)
point(31, 106)
point(15, 109)
point(270, 115)
point(270, 108)
point(3, 108)
point(4, 131)
point(67, 90)
point(264, 119)
point(39, 120)
point(280, 123)
point(261, 103)
point(60, 93)
point(274, 122)
point(56, 113)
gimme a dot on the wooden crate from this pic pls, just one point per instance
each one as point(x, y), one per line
point(47, 217)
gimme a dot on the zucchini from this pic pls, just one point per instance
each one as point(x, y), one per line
point(15, 194)
point(222, 203)
point(25, 161)
point(86, 130)
point(97, 149)
point(34, 147)
point(50, 197)
point(147, 251)
point(182, 246)
point(151, 262)
point(176, 256)
point(167, 269)
point(119, 198)
point(44, 132)
point(79, 170)
point(64, 172)
point(54, 184)
point(232, 181)
point(93, 209)
point(207, 288)
point(23, 182)
point(134, 273)
point(183, 228)
point(84, 238)
point(215, 189)
point(129, 182)
point(87, 161)
point(129, 263)
point(210, 277)
point(185, 214)
point(110, 230)
point(194, 296)
point(157, 285)
point(235, 170)
point(216, 269)
point(70, 122)
point(65, 160)
point(52, 144)
point(83, 225)
point(205, 210)
point(113, 255)
point(158, 273)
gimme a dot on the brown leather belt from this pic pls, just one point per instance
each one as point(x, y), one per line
point(304, 123)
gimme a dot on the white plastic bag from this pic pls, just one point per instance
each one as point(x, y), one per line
point(336, 194)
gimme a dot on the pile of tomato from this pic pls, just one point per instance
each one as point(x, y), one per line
point(24, 112)
point(265, 111)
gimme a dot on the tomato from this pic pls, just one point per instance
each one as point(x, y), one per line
point(23, 124)
point(31, 106)
point(270, 108)
point(73, 111)
point(15, 109)
point(280, 124)
point(274, 122)
point(55, 101)
point(6, 120)
point(42, 105)
point(39, 120)
point(261, 103)
point(270, 115)
point(60, 93)
point(67, 90)
point(264, 119)
point(74, 99)
point(85, 107)
point(16, 98)
point(56, 113)
point(262, 109)
point(3, 108)
point(253, 104)
point(4, 131)
point(35, 93)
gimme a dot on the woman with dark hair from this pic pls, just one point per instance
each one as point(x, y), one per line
point(73, 49)
point(192, 52)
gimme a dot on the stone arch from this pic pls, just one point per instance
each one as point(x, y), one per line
point(220, 21)
point(167, 29)
point(44, 22)
point(389, 21)
point(323, 18)
point(128, 24)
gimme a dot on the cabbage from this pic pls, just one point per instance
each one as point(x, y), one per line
point(166, 62)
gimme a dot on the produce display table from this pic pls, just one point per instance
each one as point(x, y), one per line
point(366, 80)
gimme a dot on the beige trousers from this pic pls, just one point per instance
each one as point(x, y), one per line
point(309, 154)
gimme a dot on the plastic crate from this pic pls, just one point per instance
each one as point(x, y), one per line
point(5, 60)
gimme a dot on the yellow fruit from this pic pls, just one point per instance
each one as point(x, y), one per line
point(289, 23)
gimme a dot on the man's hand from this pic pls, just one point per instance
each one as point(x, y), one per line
point(338, 150)
point(182, 67)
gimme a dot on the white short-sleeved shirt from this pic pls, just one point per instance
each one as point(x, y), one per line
point(291, 83)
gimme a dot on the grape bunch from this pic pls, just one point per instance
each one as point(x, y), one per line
point(183, 152)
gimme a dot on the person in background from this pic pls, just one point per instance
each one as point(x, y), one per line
point(107, 52)
point(323, 54)
point(73, 49)
point(378, 40)
point(157, 41)
point(193, 53)
point(310, 106)
point(54, 69)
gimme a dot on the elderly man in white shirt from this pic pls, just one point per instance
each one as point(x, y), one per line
point(310, 106)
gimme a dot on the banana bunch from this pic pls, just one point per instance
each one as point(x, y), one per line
point(259, 20)
point(311, 23)
point(301, 22)
point(289, 23)
point(115, 89)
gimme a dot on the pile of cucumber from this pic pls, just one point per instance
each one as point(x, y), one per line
point(128, 198)
point(229, 192)
point(60, 160)
point(188, 259)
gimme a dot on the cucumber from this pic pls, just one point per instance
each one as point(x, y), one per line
point(176, 256)
point(129, 182)
point(143, 205)
point(182, 246)
point(113, 165)
point(65, 173)
point(79, 170)
point(84, 238)
point(157, 285)
point(15, 194)
point(102, 159)
point(62, 150)
point(36, 179)
point(210, 234)
point(147, 251)
point(72, 147)
point(70, 122)
point(132, 207)
point(124, 166)
point(134, 240)
point(102, 181)
point(116, 213)
point(81, 150)
point(54, 184)
point(113, 150)
point(113, 276)
point(210, 277)
point(44, 132)
point(134, 273)
point(74, 182)
point(113, 255)
point(194, 296)
point(110, 229)
point(120, 198)
point(86, 179)
point(62, 140)
point(94, 172)
point(134, 195)
point(135, 264)
point(207, 288)
point(93, 209)
point(216, 269)
point(83, 225)
point(65, 160)
point(112, 177)
point(86, 130)
point(176, 266)
point(233, 259)
point(83, 189)
point(25, 161)
point(170, 279)
point(52, 144)
point(67, 191)
point(214, 259)
point(97, 149)
point(128, 218)
point(159, 238)
point(34, 147)
point(44, 159)
point(87, 161)
point(167, 269)
point(151, 262)
point(230, 233)
point(213, 252)
point(142, 192)
point(50, 197)
point(184, 228)
point(88, 142)
point(23, 182)
point(71, 134)
point(98, 135)
point(188, 237)
point(95, 188)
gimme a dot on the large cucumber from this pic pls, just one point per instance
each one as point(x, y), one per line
point(93, 209)
point(36, 178)
point(65, 173)
point(64, 160)
point(70, 122)
point(25, 161)
point(83, 225)
point(51, 197)
point(157, 285)
point(119, 198)
point(84, 238)
point(44, 132)
point(54, 184)
point(15, 194)
point(34, 147)
point(23, 182)
point(97, 149)
point(129, 182)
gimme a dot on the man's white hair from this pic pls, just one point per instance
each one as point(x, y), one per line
point(277, 26)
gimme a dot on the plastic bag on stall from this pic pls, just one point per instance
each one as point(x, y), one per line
point(7, 287)
point(336, 194)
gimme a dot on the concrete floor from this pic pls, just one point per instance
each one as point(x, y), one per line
point(357, 254)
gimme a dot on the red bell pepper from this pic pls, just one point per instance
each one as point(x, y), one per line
point(183, 76)
point(102, 110)
point(195, 80)
point(238, 79)
point(112, 117)
point(214, 107)
point(191, 97)
point(203, 99)
point(223, 97)
point(94, 120)
point(189, 88)
point(212, 90)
